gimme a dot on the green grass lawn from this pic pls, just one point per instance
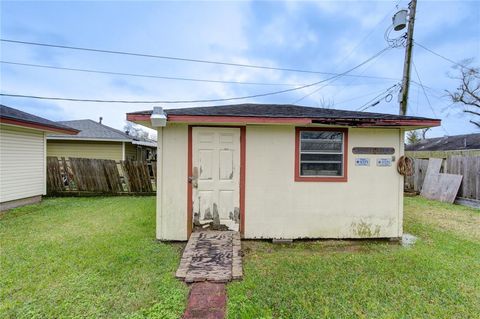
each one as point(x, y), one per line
point(439, 277)
point(97, 258)
point(87, 258)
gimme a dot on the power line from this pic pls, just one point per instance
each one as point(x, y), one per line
point(182, 59)
point(426, 96)
point(196, 101)
point(351, 51)
point(318, 89)
point(373, 102)
point(147, 75)
point(359, 97)
point(441, 56)
point(423, 89)
point(144, 75)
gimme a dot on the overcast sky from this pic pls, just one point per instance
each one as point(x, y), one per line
point(328, 36)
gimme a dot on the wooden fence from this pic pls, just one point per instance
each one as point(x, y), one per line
point(97, 176)
point(467, 166)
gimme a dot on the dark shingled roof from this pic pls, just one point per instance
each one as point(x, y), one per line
point(10, 113)
point(279, 111)
point(447, 143)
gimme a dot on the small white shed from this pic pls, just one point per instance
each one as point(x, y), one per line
point(23, 156)
point(279, 171)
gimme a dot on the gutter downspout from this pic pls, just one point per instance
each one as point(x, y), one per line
point(123, 151)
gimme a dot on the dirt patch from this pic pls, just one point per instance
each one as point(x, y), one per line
point(253, 247)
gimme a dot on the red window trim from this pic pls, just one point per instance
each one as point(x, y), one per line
point(299, 178)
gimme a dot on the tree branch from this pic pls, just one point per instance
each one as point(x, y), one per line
point(475, 123)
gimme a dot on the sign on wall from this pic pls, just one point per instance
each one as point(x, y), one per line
point(374, 150)
point(359, 161)
point(384, 162)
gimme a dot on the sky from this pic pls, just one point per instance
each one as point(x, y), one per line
point(326, 36)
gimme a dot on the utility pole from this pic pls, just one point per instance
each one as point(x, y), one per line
point(408, 58)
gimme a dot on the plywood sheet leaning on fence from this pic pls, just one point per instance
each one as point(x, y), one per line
point(433, 169)
point(444, 187)
point(440, 186)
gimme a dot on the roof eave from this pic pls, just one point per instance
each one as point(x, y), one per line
point(144, 119)
point(93, 139)
point(38, 126)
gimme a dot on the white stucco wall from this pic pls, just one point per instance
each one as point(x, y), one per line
point(172, 206)
point(278, 207)
point(370, 204)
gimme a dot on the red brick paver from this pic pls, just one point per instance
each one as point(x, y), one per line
point(206, 300)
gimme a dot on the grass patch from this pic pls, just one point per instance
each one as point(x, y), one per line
point(439, 277)
point(88, 258)
point(461, 220)
point(98, 258)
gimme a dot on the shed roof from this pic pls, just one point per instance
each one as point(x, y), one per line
point(9, 115)
point(288, 111)
point(447, 143)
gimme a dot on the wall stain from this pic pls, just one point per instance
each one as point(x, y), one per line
point(208, 214)
point(216, 216)
point(236, 215)
point(365, 230)
point(196, 219)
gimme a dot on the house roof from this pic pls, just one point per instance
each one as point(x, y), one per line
point(9, 115)
point(92, 130)
point(285, 113)
point(447, 143)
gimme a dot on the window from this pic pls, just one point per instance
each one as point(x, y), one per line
point(321, 154)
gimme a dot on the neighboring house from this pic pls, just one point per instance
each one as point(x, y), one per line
point(99, 141)
point(23, 156)
point(442, 147)
point(279, 171)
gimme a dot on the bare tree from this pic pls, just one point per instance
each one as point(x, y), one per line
point(134, 131)
point(467, 93)
point(324, 103)
point(424, 132)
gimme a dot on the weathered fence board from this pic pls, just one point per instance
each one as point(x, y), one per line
point(467, 166)
point(98, 176)
point(54, 176)
point(137, 173)
point(415, 181)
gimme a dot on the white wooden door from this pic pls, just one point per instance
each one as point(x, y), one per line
point(216, 176)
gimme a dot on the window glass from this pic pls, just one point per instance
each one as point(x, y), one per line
point(321, 153)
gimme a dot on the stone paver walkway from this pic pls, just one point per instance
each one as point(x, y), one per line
point(213, 256)
point(206, 300)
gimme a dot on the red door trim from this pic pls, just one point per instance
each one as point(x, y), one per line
point(243, 157)
point(299, 178)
